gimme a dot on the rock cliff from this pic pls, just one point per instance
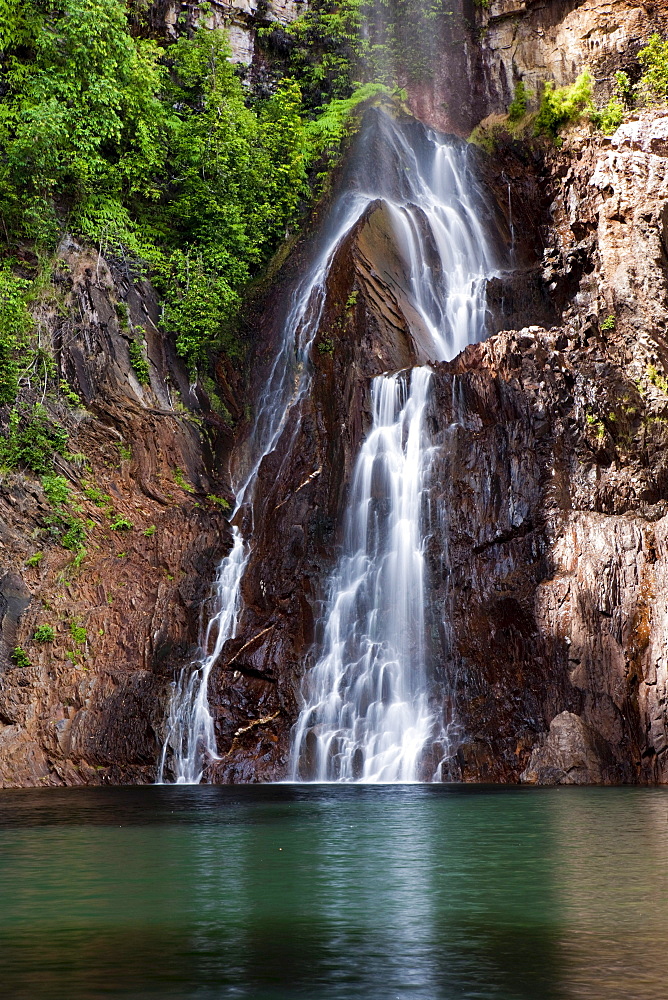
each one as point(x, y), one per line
point(551, 489)
point(549, 616)
point(550, 486)
point(91, 702)
point(538, 40)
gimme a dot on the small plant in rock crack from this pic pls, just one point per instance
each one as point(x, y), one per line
point(35, 559)
point(78, 633)
point(123, 314)
point(20, 658)
point(95, 495)
point(138, 362)
point(68, 392)
point(121, 524)
point(597, 426)
point(32, 440)
point(218, 501)
point(608, 324)
point(44, 633)
point(57, 489)
point(519, 104)
point(71, 529)
point(181, 481)
point(657, 380)
point(77, 562)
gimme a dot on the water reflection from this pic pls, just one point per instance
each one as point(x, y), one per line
point(612, 859)
point(334, 893)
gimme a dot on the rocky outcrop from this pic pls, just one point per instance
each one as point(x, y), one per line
point(90, 705)
point(239, 18)
point(540, 40)
point(549, 614)
point(554, 594)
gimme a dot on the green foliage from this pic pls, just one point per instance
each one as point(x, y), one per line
point(44, 633)
point(95, 495)
point(159, 156)
point(654, 60)
point(64, 521)
point(335, 46)
point(657, 380)
point(609, 118)
point(123, 314)
point(218, 501)
point(81, 554)
point(138, 362)
point(32, 440)
point(149, 532)
point(78, 632)
point(240, 176)
point(326, 346)
point(35, 559)
point(15, 323)
point(68, 392)
point(181, 481)
point(608, 324)
point(121, 524)
point(652, 88)
point(624, 87)
point(20, 658)
point(71, 528)
point(151, 153)
point(562, 106)
point(485, 137)
point(81, 114)
point(124, 450)
point(57, 489)
point(518, 106)
point(326, 133)
point(597, 426)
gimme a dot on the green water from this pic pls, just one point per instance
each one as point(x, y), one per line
point(334, 892)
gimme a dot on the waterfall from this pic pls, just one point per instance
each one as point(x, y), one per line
point(436, 213)
point(190, 731)
point(366, 713)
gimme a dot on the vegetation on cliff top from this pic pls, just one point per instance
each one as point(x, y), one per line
point(151, 153)
point(160, 157)
point(559, 107)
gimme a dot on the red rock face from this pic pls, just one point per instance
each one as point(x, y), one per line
point(548, 565)
point(92, 709)
point(547, 602)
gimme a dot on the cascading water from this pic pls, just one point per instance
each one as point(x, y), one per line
point(434, 208)
point(367, 713)
point(190, 737)
point(190, 728)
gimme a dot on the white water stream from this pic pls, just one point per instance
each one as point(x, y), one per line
point(366, 713)
point(190, 728)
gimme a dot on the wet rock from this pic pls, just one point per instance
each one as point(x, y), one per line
point(548, 499)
